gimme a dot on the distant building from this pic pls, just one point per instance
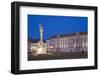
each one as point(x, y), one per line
point(33, 45)
point(76, 42)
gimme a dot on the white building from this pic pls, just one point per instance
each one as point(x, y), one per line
point(33, 46)
point(76, 42)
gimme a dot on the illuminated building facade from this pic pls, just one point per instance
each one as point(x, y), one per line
point(76, 42)
point(33, 45)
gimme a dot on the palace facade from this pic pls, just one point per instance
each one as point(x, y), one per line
point(75, 42)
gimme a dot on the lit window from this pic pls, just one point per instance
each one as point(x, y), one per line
point(74, 45)
point(51, 47)
point(83, 42)
point(60, 45)
point(86, 43)
point(64, 45)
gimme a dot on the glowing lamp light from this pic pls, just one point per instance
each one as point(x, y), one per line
point(51, 47)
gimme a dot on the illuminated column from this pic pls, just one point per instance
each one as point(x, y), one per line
point(41, 35)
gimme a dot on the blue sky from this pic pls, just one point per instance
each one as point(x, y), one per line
point(54, 25)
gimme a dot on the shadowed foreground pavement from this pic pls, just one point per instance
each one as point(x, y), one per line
point(54, 56)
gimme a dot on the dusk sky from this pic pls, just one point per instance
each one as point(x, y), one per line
point(54, 25)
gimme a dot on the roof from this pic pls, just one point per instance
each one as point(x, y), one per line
point(68, 35)
point(35, 40)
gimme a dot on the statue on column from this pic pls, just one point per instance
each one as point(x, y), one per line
point(41, 35)
point(40, 43)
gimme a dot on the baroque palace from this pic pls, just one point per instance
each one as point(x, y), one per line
point(75, 42)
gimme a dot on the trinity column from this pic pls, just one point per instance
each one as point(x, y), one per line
point(41, 35)
point(40, 46)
